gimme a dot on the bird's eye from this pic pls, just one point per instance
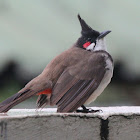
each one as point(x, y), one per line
point(89, 39)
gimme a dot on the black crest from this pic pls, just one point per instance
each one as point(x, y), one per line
point(86, 29)
point(88, 34)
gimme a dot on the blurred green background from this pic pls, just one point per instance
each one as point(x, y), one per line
point(33, 32)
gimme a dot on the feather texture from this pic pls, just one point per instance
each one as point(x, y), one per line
point(78, 82)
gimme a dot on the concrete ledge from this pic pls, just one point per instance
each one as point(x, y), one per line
point(114, 123)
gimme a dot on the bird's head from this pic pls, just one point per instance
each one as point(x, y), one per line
point(90, 39)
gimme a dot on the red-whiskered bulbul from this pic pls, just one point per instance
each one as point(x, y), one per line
point(72, 79)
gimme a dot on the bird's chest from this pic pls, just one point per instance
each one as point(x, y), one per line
point(104, 82)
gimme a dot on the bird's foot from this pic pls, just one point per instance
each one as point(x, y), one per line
point(87, 110)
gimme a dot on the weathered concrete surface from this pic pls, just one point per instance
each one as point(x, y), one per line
point(114, 123)
point(124, 128)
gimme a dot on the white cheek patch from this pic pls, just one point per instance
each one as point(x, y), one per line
point(90, 47)
point(100, 45)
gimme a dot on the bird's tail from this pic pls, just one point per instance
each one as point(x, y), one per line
point(14, 100)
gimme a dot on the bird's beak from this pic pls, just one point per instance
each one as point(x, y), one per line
point(103, 34)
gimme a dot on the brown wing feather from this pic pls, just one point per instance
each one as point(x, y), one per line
point(72, 95)
point(78, 87)
point(60, 89)
point(79, 97)
point(78, 82)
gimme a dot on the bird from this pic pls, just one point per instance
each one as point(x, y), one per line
point(73, 79)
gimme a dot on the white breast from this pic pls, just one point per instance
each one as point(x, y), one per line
point(105, 81)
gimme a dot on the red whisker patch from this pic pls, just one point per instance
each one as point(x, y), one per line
point(86, 44)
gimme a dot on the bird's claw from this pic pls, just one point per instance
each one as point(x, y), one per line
point(94, 111)
point(88, 110)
